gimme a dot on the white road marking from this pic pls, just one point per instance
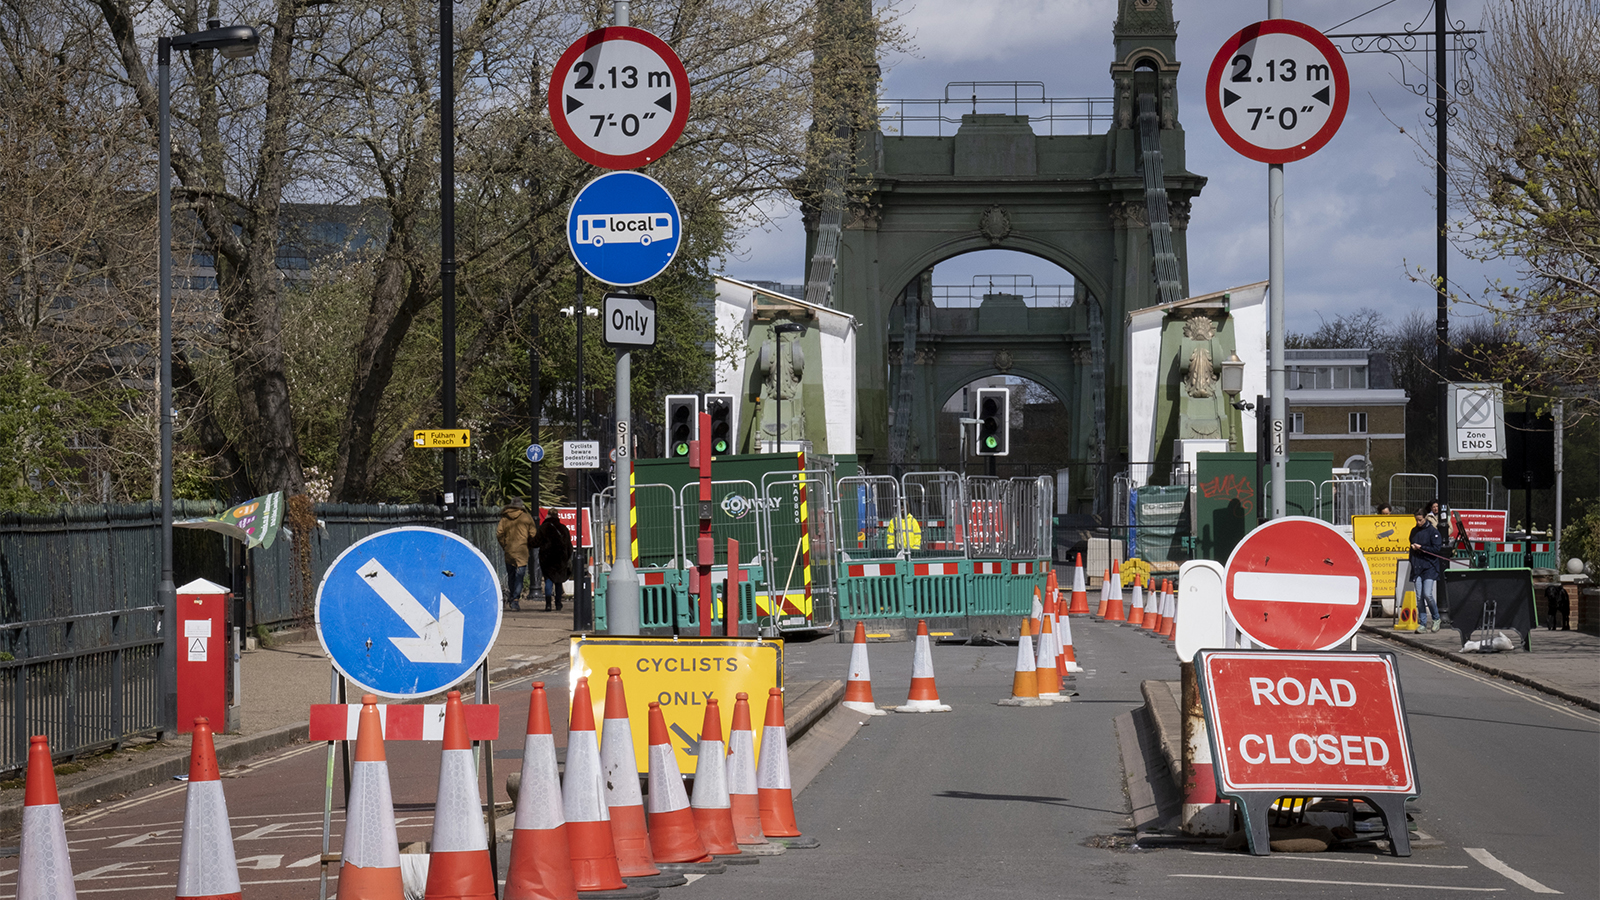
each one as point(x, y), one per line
point(1312, 857)
point(1488, 860)
point(1512, 689)
point(1420, 887)
point(132, 802)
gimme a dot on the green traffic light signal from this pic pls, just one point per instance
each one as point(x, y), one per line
point(681, 449)
point(990, 442)
point(721, 446)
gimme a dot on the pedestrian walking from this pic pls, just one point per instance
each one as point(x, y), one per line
point(1426, 554)
point(554, 544)
point(515, 533)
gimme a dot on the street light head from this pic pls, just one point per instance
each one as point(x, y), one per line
point(1232, 375)
point(234, 41)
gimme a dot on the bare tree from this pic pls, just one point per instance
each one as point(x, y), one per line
point(1526, 161)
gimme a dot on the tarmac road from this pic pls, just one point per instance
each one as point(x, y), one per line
point(993, 802)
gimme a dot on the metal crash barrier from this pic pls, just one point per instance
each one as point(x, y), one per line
point(820, 552)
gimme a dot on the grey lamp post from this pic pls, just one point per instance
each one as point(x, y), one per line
point(235, 42)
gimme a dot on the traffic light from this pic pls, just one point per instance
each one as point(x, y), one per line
point(994, 421)
point(720, 408)
point(683, 417)
point(1530, 462)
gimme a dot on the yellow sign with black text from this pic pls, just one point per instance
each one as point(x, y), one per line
point(441, 438)
point(680, 674)
point(1384, 541)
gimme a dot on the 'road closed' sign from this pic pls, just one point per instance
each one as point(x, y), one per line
point(1306, 723)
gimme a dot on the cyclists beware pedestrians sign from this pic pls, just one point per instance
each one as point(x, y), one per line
point(619, 98)
point(1277, 91)
point(624, 228)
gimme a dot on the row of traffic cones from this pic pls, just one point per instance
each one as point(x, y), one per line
point(583, 836)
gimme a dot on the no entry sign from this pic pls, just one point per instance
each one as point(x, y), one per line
point(1277, 91)
point(1297, 583)
point(619, 97)
point(1307, 724)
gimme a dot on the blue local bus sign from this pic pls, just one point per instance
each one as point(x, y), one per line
point(624, 228)
point(408, 612)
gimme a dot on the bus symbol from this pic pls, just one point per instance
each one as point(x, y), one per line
point(628, 228)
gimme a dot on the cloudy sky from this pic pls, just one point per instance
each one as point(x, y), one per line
point(1360, 211)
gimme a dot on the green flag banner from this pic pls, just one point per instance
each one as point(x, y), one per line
point(255, 522)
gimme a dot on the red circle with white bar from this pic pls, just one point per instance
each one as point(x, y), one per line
point(1277, 91)
point(619, 97)
point(1297, 583)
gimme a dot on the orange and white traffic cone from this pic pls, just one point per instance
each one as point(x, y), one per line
point(1049, 678)
point(674, 840)
point(207, 867)
point(710, 803)
point(1136, 614)
point(1105, 595)
point(583, 800)
point(772, 781)
point(1052, 587)
point(858, 687)
point(1152, 613)
point(1069, 658)
point(44, 871)
point(1056, 612)
point(1170, 613)
point(1025, 683)
point(370, 869)
point(541, 856)
point(624, 803)
point(744, 796)
point(1038, 612)
point(1114, 608)
point(1080, 592)
point(458, 861)
point(924, 696)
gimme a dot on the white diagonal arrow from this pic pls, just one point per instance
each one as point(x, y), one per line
point(438, 640)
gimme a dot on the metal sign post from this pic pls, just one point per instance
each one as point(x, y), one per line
point(1284, 96)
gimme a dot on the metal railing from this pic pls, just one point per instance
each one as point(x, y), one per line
point(88, 682)
point(924, 117)
point(1034, 296)
point(1466, 492)
point(1410, 491)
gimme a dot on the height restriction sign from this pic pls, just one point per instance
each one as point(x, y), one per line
point(619, 97)
point(1277, 91)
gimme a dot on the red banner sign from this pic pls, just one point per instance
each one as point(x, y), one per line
point(1306, 723)
point(1481, 524)
point(569, 518)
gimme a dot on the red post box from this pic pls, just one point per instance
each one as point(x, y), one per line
point(202, 653)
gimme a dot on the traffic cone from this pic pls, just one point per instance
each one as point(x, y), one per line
point(1080, 592)
point(1069, 658)
point(858, 686)
point(1136, 615)
point(772, 781)
point(207, 867)
point(1105, 595)
point(594, 853)
point(1049, 678)
point(744, 797)
point(1038, 612)
point(1407, 620)
point(1169, 611)
point(458, 862)
point(1052, 588)
point(1056, 612)
point(1025, 683)
point(541, 856)
point(370, 869)
point(1114, 608)
point(674, 841)
point(44, 871)
point(924, 696)
point(624, 804)
point(709, 802)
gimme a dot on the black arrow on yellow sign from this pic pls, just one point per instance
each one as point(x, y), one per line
point(691, 746)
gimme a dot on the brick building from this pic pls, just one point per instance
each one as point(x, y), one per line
point(1343, 401)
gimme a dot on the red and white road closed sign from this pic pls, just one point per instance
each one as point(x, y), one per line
point(1297, 583)
point(1306, 723)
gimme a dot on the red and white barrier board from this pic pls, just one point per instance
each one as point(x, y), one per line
point(1308, 724)
point(403, 722)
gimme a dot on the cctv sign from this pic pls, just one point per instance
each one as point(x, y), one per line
point(630, 321)
point(1306, 723)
